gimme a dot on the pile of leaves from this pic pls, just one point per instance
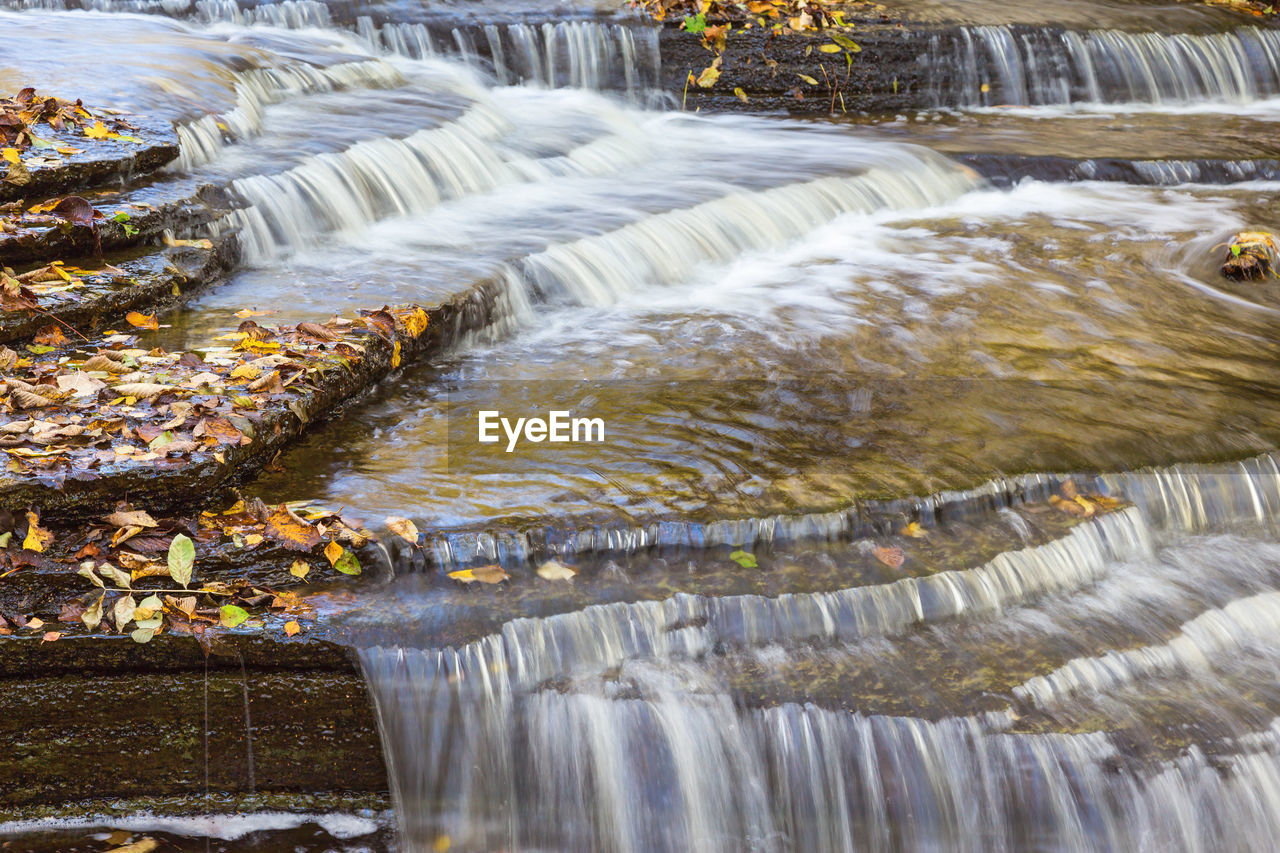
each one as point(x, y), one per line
point(713, 20)
point(28, 119)
point(796, 15)
point(83, 411)
point(143, 570)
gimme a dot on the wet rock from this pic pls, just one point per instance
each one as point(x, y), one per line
point(157, 280)
point(190, 473)
point(104, 162)
point(121, 220)
point(1250, 256)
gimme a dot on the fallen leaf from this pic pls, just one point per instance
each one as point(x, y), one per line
point(229, 615)
point(484, 574)
point(299, 569)
point(404, 528)
point(142, 321)
point(333, 551)
point(347, 563)
point(744, 559)
point(51, 636)
point(891, 557)
point(92, 616)
point(134, 518)
point(37, 538)
point(122, 611)
point(554, 570)
point(182, 557)
point(914, 530)
point(291, 627)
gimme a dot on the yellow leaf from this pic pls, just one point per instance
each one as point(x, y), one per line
point(829, 48)
point(708, 77)
point(484, 574)
point(299, 569)
point(404, 528)
point(333, 551)
point(12, 155)
point(395, 355)
point(37, 538)
point(806, 78)
point(914, 530)
point(142, 321)
point(98, 131)
point(291, 627)
point(415, 322)
point(742, 96)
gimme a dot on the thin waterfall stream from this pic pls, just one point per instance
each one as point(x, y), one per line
point(936, 500)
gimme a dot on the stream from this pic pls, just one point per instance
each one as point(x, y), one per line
point(801, 335)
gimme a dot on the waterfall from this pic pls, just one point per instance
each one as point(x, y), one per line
point(985, 66)
point(1210, 635)
point(291, 14)
point(664, 760)
point(666, 248)
point(257, 88)
point(581, 54)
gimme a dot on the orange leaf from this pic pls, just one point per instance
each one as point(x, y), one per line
point(142, 321)
point(891, 557)
point(291, 531)
point(292, 627)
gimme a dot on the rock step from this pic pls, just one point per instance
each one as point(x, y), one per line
point(133, 218)
point(102, 162)
point(242, 423)
point(103, 296)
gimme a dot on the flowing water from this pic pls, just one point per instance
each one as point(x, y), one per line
point(801, 336)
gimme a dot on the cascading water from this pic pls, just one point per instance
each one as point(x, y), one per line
point(630, 727)
point(984, 66)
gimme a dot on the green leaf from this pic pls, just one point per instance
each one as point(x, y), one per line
point(120, 217)
point(1235, 251)
point(744, 559)
point(695, 23)
point(347, 563)
point(182, 556)
point(39, 349)
point(846, 42)
point(164, 439)
point(230, 616)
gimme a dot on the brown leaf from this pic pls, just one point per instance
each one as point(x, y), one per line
point(130, 518)
point(221, 430)
point(50, 336)
point(317, 332)
point(76, 210)
point(290, 531)
point(141, 390)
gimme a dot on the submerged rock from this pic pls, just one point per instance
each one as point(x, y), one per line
point(1250, 256)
